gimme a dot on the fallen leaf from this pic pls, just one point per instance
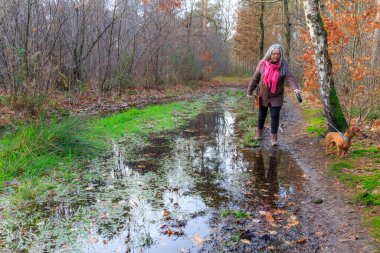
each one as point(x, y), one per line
point(169, 232)
point(292, 221)
point(198, 240)
point(262, 212)
point(256, 220)
point(93, 240)
point(165, 212)
point(319, 234)
point(273, 232)
point(301, 241)
point(269, 217)
point(279, 211)
point(163, 226)
point(245, 241)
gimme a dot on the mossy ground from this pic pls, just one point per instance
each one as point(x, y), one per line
point(361, 172)
point(315, 120)
point(40, 159)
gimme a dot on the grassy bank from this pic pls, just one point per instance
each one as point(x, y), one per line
point(39, 158)
point(247, 116)
point(233, 79)
point(315, 120)
point(361, 172)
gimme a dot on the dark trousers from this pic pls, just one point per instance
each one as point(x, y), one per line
point(274, 118)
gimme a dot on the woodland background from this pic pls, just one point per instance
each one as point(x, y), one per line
point(51, 51)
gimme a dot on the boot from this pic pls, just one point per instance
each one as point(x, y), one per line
point(259, 133)
point(273, 138)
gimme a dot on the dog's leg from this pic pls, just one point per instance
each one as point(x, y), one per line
point(332, 147)
point(343, 154)
point(338, 151)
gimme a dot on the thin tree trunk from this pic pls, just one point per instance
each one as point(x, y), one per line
point(288, 30)
point(375, 61)
point(26, 42)
point(318, 34)
point(262, 31)
point(204, 17)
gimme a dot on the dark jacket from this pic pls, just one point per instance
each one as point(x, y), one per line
point(276, 99)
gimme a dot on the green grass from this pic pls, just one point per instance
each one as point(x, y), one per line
point(35, 150)
point(235, 213)
point(368, 182)
point(249, 138)
point(316, 121)
point(372, 152)
point(145, 121)
point(374, 223)
point(233, 79)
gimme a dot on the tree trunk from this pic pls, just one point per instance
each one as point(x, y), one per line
point(262, 30)
point(375, 61)
point(288, 30)
point(26, 43)
point(318, 35)
point(204, 17)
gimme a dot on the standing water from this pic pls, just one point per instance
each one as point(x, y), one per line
point(195, 190)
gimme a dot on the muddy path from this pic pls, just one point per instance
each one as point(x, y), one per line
point(198, 189)
point(334, 221)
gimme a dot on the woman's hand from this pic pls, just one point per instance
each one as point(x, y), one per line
point(249, 96)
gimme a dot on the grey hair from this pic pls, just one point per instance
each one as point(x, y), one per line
point(283, 63)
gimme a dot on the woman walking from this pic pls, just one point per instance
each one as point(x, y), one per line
point(269, 79)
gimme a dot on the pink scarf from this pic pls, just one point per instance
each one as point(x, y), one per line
point(271, 74)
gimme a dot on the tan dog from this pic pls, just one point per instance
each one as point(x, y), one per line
point(343, 143)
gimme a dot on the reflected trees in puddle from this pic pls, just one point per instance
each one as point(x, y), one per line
point(170, 195)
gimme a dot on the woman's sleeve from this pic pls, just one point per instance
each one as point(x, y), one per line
point(291, 80)
point(254, 82)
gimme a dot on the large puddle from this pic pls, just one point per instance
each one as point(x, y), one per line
point(197, 189)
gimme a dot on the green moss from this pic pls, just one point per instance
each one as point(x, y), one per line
point(371, 152)
point(320, 20)
point(339, 120)
point(374, 223)
point(235, 213)
point(368, 182)
point(315, 120)
point(317, 126)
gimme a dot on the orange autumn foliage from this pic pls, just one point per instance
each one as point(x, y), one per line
point(346, 22)
point(166, 4)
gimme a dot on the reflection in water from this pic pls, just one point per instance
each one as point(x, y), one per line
point(266, 179)
point(162, 198)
